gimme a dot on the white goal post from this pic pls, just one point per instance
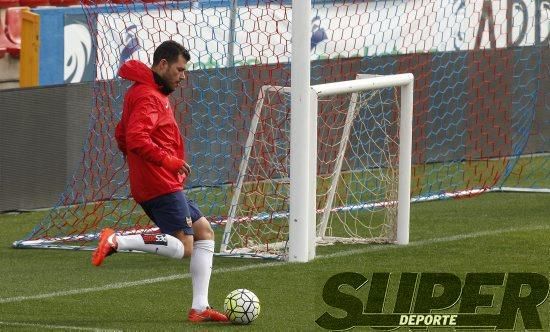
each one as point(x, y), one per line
point(303, 231)
point(370, 82)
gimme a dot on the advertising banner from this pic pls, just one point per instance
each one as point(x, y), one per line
point(263, 34)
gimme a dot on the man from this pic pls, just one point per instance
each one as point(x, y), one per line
point(149, 138)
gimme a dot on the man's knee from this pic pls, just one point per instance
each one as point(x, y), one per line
point(202, 230)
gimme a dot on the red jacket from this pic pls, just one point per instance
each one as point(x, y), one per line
point(147, 134)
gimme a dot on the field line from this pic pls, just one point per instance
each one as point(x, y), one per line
point(436, 240)
point(57, 327)
point(120, 285)
point(128, 284)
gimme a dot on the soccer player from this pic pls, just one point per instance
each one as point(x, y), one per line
point(150, 140)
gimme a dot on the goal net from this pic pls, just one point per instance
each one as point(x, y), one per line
point(357, 173)
point(480, 123)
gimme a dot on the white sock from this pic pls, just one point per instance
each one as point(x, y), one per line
point(201, 269)
point(162, 244)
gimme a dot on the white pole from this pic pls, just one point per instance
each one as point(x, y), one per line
point(243, 167)
point(300, 135)
point(405, 152)
point(231, 36)
point(377, 82)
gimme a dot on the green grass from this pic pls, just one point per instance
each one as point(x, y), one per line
point(502, 232)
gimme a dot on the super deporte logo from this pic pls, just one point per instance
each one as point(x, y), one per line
point(434, 300)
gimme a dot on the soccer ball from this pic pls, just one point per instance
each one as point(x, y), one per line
point(241, 306)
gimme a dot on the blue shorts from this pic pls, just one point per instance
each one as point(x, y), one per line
point(172, 212)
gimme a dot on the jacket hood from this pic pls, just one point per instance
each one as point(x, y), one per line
point(137, 71)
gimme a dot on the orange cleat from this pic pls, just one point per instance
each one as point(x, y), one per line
point(208, 315)
point(104, 248)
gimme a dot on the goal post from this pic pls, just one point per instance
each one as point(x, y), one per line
point(371, 82)
point(262, 221)
point(302, 139)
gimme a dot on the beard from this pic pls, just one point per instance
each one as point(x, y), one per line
point(164, 87)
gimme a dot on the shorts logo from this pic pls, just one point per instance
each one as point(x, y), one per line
point(158, 239)
point(189, 221)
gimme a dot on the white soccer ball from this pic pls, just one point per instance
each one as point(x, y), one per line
point(241, 306)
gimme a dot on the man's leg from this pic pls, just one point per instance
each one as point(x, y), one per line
point(187, 240)
point(201, 252)
point(201, 269)
point(201, 262)
point(170, 213)
point(161, 244)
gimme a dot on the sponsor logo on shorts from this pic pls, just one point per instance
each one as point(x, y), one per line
point(189, 221)
point(158, 239)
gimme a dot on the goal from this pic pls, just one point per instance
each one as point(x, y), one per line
point(362, 171)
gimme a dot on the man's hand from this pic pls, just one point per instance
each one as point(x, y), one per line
point(176, 165)
point(186, 169)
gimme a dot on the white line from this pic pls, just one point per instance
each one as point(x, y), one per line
point(436, 240)
point(121, 285)
point(58, 327)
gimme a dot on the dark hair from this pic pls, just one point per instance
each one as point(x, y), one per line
point(170, 50)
